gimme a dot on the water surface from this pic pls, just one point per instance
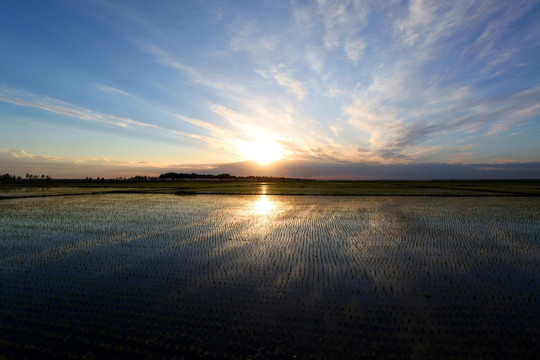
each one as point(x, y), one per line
point(269, 276)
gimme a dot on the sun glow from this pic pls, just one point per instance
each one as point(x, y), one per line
point(264, 206)
point(263, 151)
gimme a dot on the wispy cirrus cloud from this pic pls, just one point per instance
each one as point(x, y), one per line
point(390, 125)
point(433, 92)
point(62, 108)
point(354, 48)
point(421, 14)
point(48, 104)
point(424, 66)
point(328, 80)
point(343, 22)
point(110, 90)
point(196, 75)
point(283, 78)
point(471, 32)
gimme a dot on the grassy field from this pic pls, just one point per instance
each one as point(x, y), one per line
point(364, 188)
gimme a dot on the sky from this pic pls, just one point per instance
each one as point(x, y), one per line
point(321, 89)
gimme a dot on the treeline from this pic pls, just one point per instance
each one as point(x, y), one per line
point(9, 177)
point(133, 178)
point(170, 176)
point(220, 177)
point(193, 176)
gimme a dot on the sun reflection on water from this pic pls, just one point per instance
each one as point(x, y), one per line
point(264, 206)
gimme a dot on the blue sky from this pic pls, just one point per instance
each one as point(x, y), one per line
point(120, 88)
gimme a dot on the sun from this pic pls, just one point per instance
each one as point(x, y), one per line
point(263, 151)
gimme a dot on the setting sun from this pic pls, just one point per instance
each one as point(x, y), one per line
point(263, 151)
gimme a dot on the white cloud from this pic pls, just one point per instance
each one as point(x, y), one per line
point(336, 129)
point(284, 79)
point(70, 110)
point(111, 90)
point(245, 36)
point(341, 18)
point(196, 75)
point(342, 22)
point(420, 15)
point(334, 90)
point(61, 108)
point(21, 154)
point(513, 118)
point(315, 57)
point(354, 48)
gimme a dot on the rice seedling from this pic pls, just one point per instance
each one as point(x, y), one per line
point(247, 276)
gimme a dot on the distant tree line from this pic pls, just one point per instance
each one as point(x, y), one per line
point(193, 176)
point(220, 177)
point(170, 176)
point(8, 177)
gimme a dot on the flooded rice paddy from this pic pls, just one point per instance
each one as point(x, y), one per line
point(256, 277)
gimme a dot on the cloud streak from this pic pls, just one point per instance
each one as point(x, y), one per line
point(71, 111)
point(284, 79)
point(60, 108)
point(111, 90)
